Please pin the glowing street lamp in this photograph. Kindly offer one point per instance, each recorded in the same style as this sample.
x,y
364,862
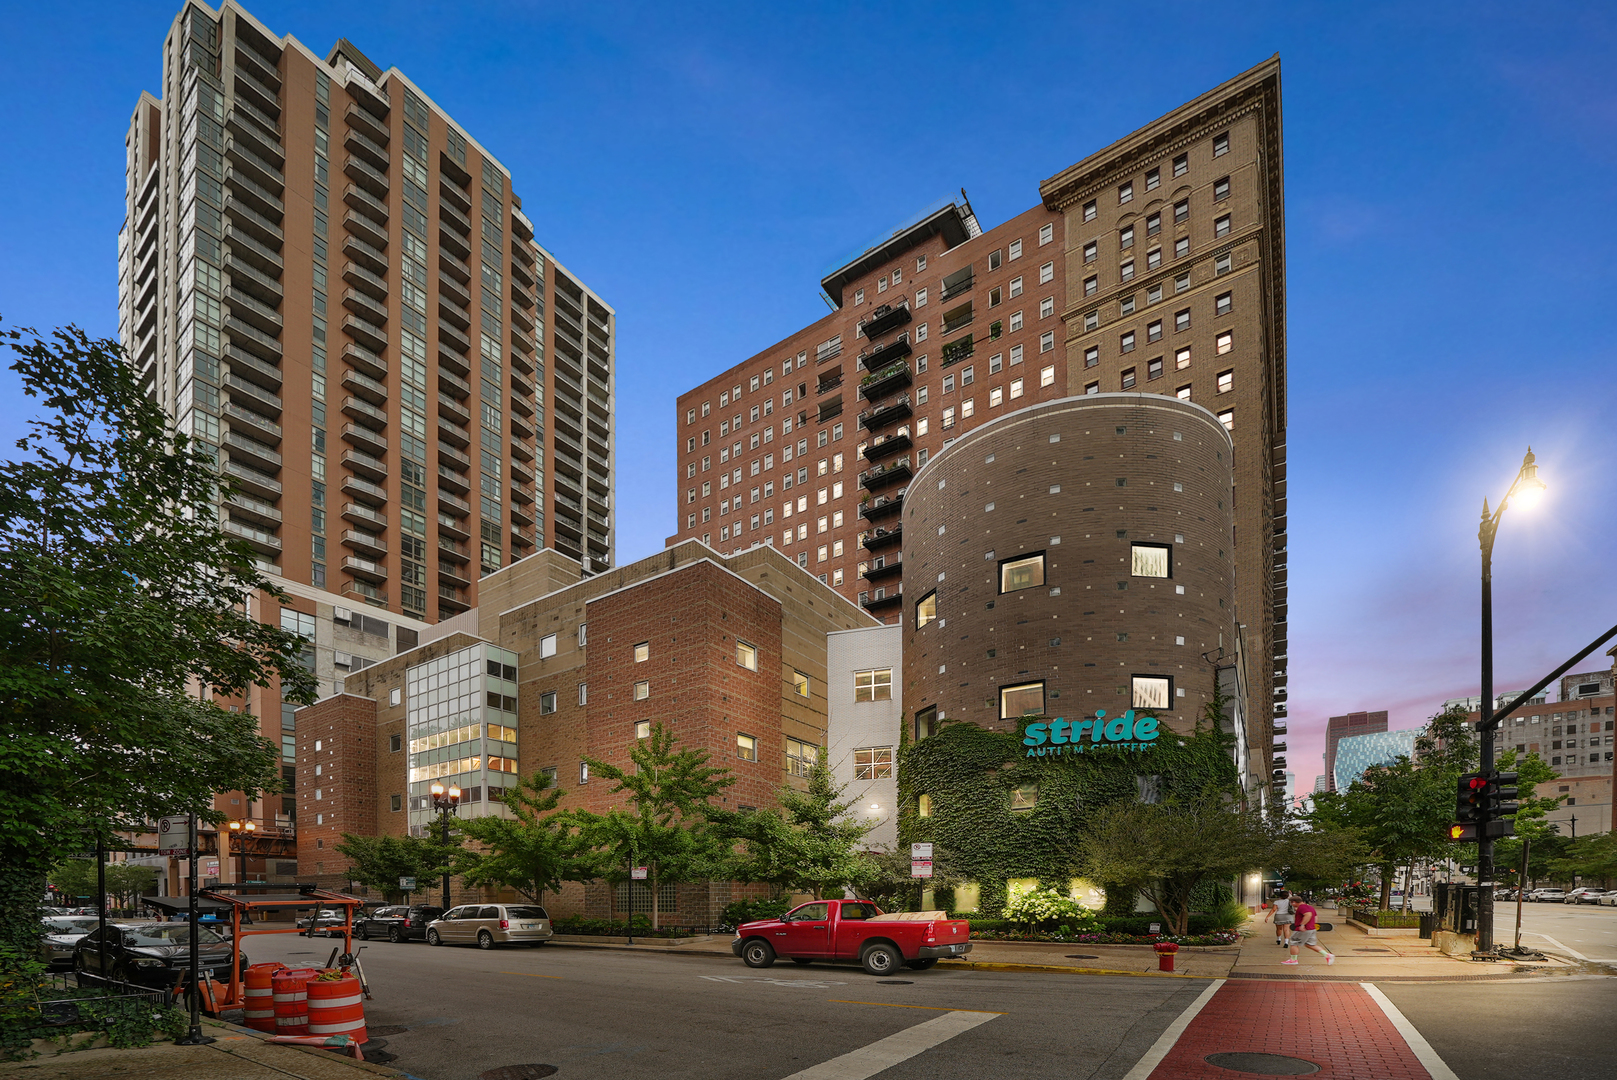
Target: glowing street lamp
x,y
445,801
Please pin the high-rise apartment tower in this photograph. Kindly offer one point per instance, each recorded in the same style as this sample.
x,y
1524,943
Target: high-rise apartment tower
x,y
1156,265
327,279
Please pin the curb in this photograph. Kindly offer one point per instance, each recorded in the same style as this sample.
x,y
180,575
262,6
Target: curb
x,y
319,1052
983,965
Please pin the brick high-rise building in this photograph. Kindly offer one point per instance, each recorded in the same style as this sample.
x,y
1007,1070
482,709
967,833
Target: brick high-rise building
x,y
1155,265
326,278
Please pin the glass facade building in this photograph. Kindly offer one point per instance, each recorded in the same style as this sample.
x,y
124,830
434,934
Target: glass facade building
x,y
461,722
1358,752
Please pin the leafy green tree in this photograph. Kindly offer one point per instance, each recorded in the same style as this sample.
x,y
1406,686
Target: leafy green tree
x,y
665,828
892,887
810,844
377,862
533,852
1591,858
1531,825
122,616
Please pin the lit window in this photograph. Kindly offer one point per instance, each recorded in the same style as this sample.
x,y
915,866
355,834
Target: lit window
x,y
800,684
926,609
923,805
1024,699
1047,375
547,646
1225,342
1151,560
642,690
873,763
642,729
746,747
642,652
873,685
1151,691
800,756
1024,796
1021,573
746,656
1226,381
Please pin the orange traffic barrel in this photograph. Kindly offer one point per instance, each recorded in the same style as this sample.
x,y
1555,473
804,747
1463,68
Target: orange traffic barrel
x,y
291,1000
260,996
337,1007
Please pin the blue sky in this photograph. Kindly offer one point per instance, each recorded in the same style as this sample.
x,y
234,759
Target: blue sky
x,y
1448,178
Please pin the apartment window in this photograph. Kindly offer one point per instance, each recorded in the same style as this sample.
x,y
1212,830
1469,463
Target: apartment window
x,y
1092,388
927,608
1221,225
1016,389
1221,189
1153,330
1221,144
1153,369
996,397
1047,273
395,802
1153,294
1151,692
968,376
547,646
1091,285
800,756
1226,381
547,703
1125,343
1091,251
1016,287
1183,393
1015,249
1090,210
1151,560
1022,699
583,772
1047,233
873,763
1221,265
948,387
1126,305
875,684
800,684
642,652
1153,258
920,263
747,656
1125,193
642,729
1047,375
1227,418
1153,224
1153,179
1181,321
746,747
1091,320
1181,247
1126,271
1181,282
1181,164
1125,237
994,259
994,297
1222,304
1092,356
1225,342
920,298
1022,572
948,417
1181,211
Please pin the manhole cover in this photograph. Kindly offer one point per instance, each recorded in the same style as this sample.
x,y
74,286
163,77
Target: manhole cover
x,y
386,1029
894,982
1261,1064
1082,956
518,1072
375,1053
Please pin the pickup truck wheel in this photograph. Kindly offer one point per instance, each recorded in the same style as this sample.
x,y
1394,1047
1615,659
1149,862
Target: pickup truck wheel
x,y
393,935
757,953
921,965
432,938
881,959
805,961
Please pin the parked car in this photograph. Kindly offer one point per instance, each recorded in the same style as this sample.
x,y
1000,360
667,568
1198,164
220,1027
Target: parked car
x,y
399,923
1608,899
1585,896
1548,896
327,922
152,954
853,930
62,933
488,925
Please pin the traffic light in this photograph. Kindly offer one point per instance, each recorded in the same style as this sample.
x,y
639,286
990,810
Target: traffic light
x,y
1483,804
1463,834
1499,797
1469,798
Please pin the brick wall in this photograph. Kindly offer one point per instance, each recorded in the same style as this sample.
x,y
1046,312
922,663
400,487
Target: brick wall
x,y
336,783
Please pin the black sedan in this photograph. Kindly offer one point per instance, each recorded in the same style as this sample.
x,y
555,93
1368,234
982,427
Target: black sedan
x,y
153,954
400,923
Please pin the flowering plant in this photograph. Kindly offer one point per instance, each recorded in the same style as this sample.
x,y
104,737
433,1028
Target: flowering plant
x,y
1047,907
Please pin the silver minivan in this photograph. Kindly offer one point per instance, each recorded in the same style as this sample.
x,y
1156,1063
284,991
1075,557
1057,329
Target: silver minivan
x,y
488,925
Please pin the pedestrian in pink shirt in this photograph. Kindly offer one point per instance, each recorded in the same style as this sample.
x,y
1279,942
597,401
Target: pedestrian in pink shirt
x,y
1305,932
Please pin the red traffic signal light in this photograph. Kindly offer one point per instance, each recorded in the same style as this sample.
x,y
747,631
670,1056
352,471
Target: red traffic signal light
x,y
1470,797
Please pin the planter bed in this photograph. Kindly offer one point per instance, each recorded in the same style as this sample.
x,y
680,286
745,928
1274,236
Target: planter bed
x,y
1110,944
1218,938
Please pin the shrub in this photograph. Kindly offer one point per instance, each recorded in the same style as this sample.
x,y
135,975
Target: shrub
x,y
1120,900
1229,915
746,911
1047,907
1140,925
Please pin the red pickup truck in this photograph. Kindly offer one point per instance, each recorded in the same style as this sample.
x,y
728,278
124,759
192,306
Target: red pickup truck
x,y
853,930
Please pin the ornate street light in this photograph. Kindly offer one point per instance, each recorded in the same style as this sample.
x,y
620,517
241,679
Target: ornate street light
x,y
446,802
239,832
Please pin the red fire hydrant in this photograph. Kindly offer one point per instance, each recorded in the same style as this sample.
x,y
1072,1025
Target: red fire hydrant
x,y
1165,951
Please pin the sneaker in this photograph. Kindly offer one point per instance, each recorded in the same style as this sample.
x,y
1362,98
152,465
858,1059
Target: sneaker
x,y
1292,960
1330,958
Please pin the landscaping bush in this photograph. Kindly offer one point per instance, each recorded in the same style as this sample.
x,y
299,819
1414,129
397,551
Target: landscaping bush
x,y
1120,900
1140,925
1230,915
1046,908
577,924
126,1022
746,911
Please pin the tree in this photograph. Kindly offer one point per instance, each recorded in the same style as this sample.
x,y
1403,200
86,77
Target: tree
x,y
377,862
895,889
810,844
1164,850
122,618
125,882
666,830
1588,857
1531,825
533,852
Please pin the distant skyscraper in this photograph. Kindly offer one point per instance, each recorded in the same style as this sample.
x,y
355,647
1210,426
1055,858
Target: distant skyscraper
x,y
1320,785
1341,727
326,279
1357,753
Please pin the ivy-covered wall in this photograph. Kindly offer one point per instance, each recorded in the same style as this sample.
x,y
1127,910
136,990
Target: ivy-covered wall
x,y
970,775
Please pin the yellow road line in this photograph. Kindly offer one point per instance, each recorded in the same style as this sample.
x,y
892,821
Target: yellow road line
x,y
530,975
929,1008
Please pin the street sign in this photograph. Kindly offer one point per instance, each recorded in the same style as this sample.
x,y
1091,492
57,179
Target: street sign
x,y
173,834
407,884
637,873
210,868
920,869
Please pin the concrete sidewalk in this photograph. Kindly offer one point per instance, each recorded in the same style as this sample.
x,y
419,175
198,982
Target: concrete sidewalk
x,y
238,1054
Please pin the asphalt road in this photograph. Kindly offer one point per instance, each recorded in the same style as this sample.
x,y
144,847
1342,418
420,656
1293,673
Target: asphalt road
x,y
612,1015
1581,929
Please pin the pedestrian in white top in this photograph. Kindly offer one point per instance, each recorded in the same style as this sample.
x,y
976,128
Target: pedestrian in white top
x,y
1280,910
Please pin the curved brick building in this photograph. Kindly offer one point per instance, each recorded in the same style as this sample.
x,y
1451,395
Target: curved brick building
x,y
1072,556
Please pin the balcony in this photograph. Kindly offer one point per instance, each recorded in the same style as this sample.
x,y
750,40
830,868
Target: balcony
x,y
364,464
454,219
251,423
885,318
251,480
887,445
250,280
450,383
454,289
520,515
364,121
880,356
451,601
365,306
240,504
362,279
460,341
451,312
366,360
451,193
453,458
360,514
251,451
520,428
362,144
884,598
364,568
252,339
956,351
266,98
882,507
882,539
364,438
454,267
364,543
455,575
897,409
958,319
453,409
453,240
957,283
254,311
249,190
364,412
366,176
357,198
457,506
454,481
898,469
251,221
448,548
881,383
244,245
368,334
260,398
259,170
359,488
366,229
262,540
451,432
884,568
373,258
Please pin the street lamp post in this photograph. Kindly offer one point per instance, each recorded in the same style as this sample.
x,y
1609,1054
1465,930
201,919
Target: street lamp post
x,y
445,802
239,832
1525,490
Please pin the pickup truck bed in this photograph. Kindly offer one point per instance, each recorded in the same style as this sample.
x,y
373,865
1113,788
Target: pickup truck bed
x,y
853,931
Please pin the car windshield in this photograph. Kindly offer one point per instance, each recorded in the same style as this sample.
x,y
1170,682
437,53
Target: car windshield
x,y
160,934
71,926
525,913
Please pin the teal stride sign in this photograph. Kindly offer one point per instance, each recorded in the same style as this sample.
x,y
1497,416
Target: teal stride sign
x,y
1061,736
